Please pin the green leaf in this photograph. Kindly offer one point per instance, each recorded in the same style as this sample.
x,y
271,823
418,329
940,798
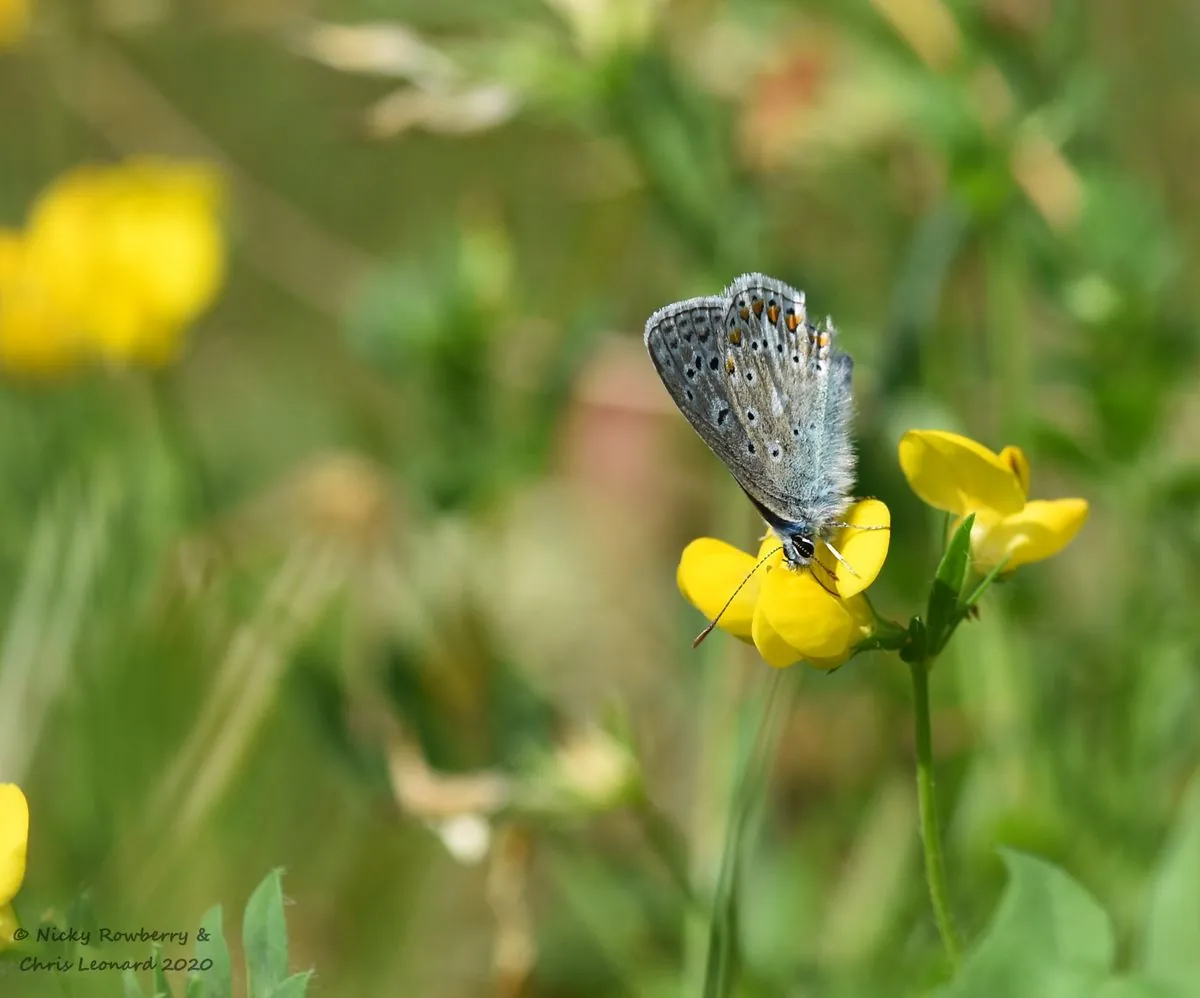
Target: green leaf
x,y
264,936
294,987
1048,938
1170,948
162,987
948,585
984,583
132,988
218,979
196,988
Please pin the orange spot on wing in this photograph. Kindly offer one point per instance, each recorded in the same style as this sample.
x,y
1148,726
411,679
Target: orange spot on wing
x,y
744,313
735,337
793,322
757,305
729,365
773,314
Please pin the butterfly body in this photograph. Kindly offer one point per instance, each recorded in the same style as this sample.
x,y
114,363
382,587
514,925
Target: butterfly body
x,y
769,393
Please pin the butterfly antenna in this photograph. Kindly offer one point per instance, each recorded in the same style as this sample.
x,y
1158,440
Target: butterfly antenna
x,y
842,524
713,623
816,564
838,555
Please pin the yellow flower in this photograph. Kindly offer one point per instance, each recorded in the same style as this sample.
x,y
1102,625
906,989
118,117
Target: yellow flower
x,y
37,336
133,251
14,838
960,476
789,615
14,21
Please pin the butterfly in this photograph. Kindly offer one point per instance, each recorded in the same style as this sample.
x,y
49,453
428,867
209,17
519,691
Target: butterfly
x,y
770,395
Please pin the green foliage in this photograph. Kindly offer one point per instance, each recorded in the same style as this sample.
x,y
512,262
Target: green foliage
x,y
216,981
1168,953
1050,937
264,943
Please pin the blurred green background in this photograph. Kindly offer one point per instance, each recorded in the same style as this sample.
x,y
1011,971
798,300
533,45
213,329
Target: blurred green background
x,y
375,582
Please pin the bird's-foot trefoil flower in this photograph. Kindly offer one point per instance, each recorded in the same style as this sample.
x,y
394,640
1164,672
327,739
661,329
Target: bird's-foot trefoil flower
x,y
818,614
955,474
14,839
114,264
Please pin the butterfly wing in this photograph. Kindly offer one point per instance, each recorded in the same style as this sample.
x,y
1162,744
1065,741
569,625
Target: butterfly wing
x,y
790,390
686,343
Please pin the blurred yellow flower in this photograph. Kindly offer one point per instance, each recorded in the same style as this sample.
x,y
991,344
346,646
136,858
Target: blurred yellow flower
x,y
958,475
36,335
14,838
789,615
134,253
114,263
14,21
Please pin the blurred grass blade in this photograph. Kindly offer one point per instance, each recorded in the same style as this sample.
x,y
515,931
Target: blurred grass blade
x,y
758,736
67,548
918,293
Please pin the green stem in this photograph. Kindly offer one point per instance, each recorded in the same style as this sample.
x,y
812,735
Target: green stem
x,y
178,434
667,842
935,867
724,964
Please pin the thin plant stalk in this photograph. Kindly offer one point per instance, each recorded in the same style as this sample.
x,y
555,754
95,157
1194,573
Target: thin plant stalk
x,y
931,837
668,845
723,964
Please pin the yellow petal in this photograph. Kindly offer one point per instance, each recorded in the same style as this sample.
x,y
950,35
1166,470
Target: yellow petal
x,y
863,549
955,473
709,573
1040,530
1015,458
14,837
863,626
804,615
770,546
770,644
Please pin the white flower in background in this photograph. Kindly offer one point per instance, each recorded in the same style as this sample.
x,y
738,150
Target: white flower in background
x,y
601,27
441,96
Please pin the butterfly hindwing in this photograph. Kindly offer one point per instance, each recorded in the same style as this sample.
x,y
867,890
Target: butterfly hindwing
x,y
791,391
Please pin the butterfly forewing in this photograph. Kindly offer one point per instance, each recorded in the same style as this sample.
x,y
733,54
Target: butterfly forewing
x,y
791,389
685,342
